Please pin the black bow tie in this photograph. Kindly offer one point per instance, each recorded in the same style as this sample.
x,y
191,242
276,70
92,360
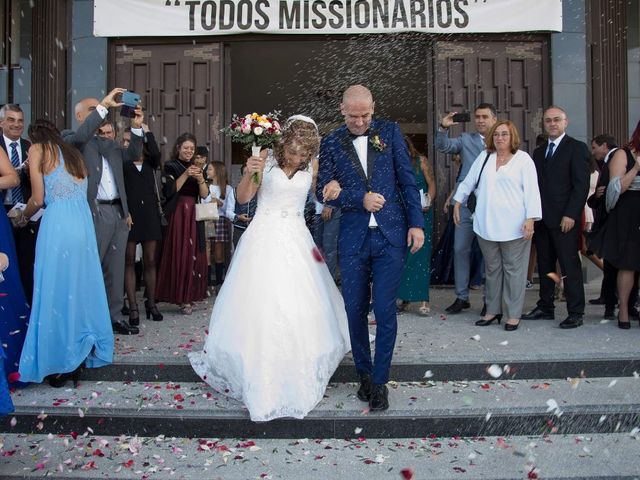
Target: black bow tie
x,y
353,136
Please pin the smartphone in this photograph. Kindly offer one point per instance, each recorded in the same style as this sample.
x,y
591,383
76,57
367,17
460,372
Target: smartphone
x,y
131,101
462,117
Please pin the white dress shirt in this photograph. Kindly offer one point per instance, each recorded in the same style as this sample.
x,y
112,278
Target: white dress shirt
x,y
506,198
361,144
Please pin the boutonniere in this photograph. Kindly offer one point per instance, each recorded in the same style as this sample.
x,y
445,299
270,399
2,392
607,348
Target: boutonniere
x,y
377,142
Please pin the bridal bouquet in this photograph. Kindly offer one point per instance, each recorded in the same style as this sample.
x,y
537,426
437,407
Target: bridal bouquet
x,y
255,131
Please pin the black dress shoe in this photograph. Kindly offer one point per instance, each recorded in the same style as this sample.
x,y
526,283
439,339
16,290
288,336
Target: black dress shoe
x,y
366,386
458,306
538,314
572,321
122,328
483,323
609,313
379,398
597,301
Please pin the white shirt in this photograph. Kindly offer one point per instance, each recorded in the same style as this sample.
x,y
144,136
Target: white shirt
x,y
506,198
229,204
555,142
361,146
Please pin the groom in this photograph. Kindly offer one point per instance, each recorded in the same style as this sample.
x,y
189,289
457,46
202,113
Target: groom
x,y
365,170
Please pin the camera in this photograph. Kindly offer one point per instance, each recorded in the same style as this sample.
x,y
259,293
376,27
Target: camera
x,y
131,101
462,117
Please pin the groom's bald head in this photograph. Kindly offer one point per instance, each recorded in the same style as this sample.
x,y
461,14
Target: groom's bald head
x,y
357,108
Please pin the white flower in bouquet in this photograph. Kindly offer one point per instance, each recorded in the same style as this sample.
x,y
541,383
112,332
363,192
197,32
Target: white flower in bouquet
x,y
254,131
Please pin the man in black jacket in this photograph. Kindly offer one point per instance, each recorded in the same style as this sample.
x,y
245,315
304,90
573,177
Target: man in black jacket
x,y
17,148
563,178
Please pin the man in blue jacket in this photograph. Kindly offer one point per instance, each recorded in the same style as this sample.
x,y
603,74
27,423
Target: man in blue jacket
x,y
468,146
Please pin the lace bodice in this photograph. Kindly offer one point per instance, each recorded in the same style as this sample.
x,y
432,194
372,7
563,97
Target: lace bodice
x,y
280,195
60,185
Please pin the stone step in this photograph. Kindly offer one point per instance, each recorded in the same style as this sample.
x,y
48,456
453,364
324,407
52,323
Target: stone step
x,y
179,370
89,456
418,409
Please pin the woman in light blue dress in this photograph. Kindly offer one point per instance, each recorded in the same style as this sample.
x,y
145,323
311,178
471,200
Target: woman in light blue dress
x,y
69,325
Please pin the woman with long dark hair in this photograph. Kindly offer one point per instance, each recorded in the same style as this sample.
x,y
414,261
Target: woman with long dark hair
x,y
142,198
70,324
182,278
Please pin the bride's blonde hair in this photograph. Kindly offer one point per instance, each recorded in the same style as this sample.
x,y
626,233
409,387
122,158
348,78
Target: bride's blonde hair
x,y
303,134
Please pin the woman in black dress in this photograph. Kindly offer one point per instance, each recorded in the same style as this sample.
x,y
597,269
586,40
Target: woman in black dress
x,y
620,235
140,184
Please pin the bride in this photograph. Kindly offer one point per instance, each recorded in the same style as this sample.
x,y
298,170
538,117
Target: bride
x,y
278,328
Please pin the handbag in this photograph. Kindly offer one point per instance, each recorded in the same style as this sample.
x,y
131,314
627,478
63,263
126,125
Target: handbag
x,y
163,218
472,200
206,211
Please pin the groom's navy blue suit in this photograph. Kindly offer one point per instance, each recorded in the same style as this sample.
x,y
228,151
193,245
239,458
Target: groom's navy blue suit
x,y
371,258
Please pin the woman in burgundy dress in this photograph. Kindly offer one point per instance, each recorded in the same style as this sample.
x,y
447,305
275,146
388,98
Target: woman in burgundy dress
x,y
182,278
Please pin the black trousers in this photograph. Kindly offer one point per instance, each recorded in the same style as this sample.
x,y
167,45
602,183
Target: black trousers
x,y
554,246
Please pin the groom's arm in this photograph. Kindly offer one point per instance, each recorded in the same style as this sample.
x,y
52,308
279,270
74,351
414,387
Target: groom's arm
x,y
351,196
406,179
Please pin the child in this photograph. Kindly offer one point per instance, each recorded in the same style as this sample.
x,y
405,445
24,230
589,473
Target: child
x,y
221,193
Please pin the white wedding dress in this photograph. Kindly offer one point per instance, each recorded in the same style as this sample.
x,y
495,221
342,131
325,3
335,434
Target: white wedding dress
x,y
278,328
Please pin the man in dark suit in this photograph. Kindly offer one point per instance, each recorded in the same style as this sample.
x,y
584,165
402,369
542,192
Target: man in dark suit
x,y
563,178
365,170
106,192
17,148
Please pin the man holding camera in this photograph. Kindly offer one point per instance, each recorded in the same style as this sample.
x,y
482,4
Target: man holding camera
x,y
468,146
106,192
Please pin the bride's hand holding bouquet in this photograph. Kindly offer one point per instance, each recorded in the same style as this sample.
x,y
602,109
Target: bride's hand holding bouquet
x,y
255,131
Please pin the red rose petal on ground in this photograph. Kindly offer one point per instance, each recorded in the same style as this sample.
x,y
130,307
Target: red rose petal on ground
x,y
317,255
128,464
14,377
407,473
532,473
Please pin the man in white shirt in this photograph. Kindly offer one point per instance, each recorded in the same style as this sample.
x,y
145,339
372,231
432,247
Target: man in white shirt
x,y
106,193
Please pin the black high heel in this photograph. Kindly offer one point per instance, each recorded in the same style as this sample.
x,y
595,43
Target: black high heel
x,y
152,312
484,323
57,380
510,327
75,375
624,325
134,316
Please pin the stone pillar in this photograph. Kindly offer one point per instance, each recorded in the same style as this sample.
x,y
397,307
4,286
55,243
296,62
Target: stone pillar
x,y
89,58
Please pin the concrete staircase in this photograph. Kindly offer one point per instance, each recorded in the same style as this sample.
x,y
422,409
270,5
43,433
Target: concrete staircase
x,y
466,402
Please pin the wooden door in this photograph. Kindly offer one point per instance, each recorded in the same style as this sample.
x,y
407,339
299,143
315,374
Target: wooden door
x,y
180,86
512,75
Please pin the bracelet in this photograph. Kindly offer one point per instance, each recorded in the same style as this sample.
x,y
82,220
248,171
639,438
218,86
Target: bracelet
x,y
200,183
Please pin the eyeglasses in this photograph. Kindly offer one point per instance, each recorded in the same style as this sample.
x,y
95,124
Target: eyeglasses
x,y
501,134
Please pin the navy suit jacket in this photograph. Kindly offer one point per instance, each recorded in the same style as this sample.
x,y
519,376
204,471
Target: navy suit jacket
x,y
563,180
25,182
389,174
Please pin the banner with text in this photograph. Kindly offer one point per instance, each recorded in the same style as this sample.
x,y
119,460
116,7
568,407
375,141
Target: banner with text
x,y
142,18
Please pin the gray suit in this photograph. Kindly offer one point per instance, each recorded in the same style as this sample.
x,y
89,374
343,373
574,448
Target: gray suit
x,y
468,146
109,220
